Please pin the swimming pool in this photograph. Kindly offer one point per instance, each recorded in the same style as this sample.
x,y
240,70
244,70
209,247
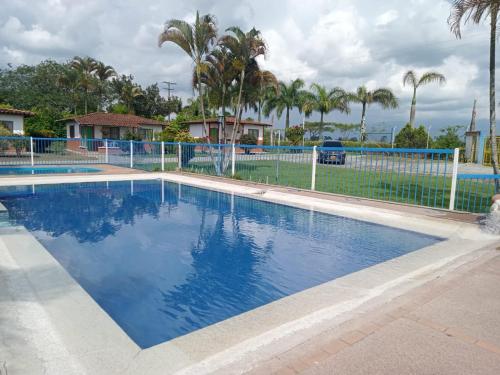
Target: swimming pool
x,y
46,170
163,262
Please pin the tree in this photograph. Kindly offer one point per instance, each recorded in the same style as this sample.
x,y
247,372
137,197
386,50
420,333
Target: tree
x,y
475,11
382,96
449,138
410,137
346,129
129,93
410,78
313,128
245,48
85,66
287,97
266,86
324,101
195,40
103,73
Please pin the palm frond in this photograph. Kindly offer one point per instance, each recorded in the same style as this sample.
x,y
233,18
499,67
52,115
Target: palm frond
x,y
429,77
410,78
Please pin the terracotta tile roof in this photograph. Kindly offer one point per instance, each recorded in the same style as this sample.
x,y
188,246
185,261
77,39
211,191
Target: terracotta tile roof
x,y
229,121
114,119
12,111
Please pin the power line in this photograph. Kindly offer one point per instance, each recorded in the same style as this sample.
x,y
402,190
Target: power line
x,y
169,91
169,87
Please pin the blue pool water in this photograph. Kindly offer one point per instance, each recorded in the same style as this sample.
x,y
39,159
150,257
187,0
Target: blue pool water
x,y
163,263
46,170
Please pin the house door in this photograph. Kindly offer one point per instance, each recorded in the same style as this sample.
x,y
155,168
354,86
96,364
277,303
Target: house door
x,y
87,134
214,135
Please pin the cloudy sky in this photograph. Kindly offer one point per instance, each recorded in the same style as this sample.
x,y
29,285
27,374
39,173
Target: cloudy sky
x,y
343,43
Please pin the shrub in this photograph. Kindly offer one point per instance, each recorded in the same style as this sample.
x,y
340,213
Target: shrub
x,y
4,143
187,150
449,138
41,133
57,147
410,137
248,139
20,144
295,134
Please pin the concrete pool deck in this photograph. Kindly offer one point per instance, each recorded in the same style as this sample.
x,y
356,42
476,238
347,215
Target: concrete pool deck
x,y
49,324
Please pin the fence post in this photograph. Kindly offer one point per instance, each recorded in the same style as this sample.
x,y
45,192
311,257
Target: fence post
x,y
31,152
106,153
162,157
313,174
131,154
233,160
454,179
179,158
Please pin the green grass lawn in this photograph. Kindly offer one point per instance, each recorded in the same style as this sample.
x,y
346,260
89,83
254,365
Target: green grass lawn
x,y
431,191
425,190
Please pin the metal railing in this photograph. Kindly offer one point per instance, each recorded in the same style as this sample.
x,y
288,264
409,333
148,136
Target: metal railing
x,y
415,176
474,192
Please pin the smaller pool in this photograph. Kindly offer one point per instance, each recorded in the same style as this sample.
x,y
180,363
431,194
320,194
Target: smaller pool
x,y
46,170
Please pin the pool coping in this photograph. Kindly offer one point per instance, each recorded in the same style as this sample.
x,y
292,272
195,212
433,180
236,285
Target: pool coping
x,y
93,342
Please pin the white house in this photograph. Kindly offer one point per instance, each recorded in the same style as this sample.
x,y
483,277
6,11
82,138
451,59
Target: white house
x,y
255,128
13,119
101,125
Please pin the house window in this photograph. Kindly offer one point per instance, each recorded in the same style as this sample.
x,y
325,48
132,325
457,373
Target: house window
x,y
110,132
72,131
146,134
9,125
254,133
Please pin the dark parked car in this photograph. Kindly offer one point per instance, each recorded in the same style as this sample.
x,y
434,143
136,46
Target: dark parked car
x,y
336,156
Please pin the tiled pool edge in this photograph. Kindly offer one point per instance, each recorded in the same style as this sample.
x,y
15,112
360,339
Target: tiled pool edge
x,y
231,339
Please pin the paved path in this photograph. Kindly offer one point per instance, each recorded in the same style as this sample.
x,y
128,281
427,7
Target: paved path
x,y
448,326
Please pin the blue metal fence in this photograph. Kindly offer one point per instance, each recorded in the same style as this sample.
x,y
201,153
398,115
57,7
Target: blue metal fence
x,y
474,192
413,176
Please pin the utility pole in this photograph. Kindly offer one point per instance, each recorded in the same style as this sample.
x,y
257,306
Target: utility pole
x,y
169,91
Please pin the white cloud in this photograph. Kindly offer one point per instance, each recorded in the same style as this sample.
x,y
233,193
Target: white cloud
x,y
386,18
334,42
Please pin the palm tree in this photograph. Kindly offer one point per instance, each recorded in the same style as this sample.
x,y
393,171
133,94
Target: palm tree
x,y
194,39
85,66
217,75
475,11
103,73
322,100
128,94
288,97
245,48
410,78
265,86
382,96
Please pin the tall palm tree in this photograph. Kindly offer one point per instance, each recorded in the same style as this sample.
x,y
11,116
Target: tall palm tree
x,y
411,78
103,73
383,96
322,100
288,97
128,94
245,48
265,86
85,66
196,40
475,10
217,75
